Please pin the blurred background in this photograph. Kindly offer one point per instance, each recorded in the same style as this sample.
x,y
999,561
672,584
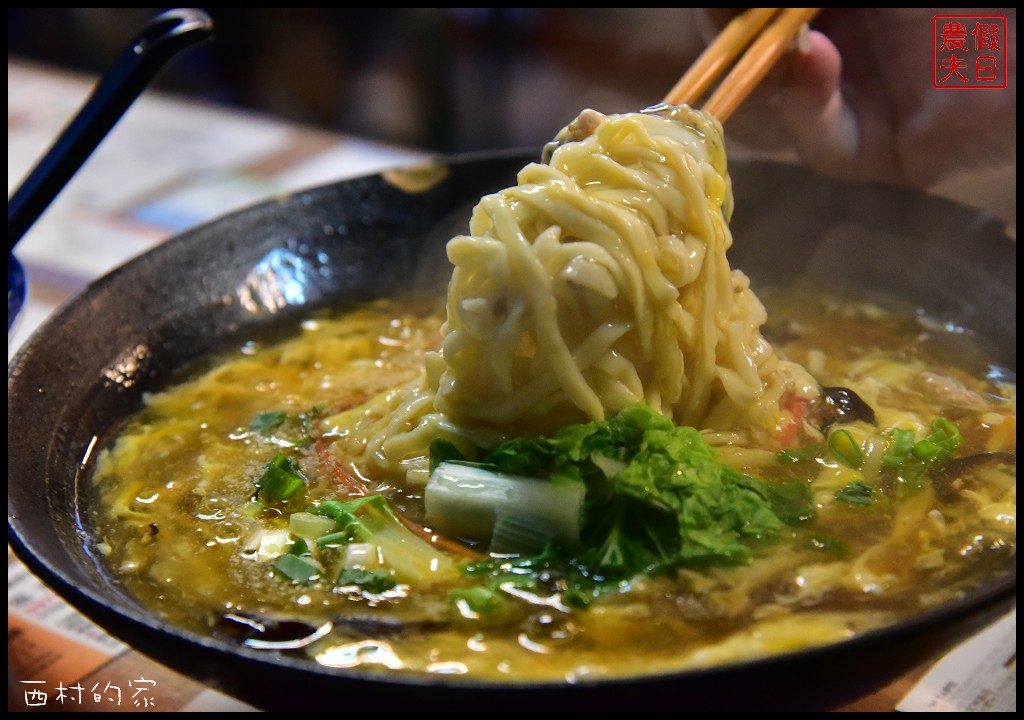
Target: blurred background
x,y
438,79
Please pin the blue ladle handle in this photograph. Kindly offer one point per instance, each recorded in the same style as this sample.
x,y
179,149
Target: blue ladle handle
x,y
164,37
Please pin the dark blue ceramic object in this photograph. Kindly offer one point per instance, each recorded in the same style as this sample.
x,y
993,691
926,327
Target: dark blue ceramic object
x,y
168,34
16,290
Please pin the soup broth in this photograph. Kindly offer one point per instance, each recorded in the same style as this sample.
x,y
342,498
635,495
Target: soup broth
x,y
190,522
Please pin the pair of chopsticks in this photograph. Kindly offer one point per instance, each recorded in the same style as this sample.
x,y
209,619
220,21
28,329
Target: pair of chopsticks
x,y
763,53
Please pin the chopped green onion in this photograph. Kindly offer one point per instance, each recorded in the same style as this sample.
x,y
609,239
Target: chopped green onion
x,y
274,543
369,519
280,480
253,508
308,525
343,512
299,547
900,447
333,539
939,446
845,448
296,568
928,451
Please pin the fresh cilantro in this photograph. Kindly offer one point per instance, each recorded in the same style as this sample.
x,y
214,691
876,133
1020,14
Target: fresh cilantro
x,y
858,493
306,425
791,501
443,451
297,431
476,599
371,581
826,544
266,422
657,498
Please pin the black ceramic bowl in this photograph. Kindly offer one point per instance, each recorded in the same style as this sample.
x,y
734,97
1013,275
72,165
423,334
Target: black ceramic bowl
x,y
87,368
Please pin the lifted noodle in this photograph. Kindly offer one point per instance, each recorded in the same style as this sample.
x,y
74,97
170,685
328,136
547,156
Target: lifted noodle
x,y
599,280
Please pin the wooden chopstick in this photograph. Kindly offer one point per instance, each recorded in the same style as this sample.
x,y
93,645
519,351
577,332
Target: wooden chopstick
x,y
762,54
726,46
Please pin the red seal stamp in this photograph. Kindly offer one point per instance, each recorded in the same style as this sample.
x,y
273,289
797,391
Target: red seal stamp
x,y
969,52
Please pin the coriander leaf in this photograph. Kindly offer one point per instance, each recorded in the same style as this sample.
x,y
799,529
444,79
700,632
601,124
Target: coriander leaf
x,y
791,502
826,544
478,600
797,455
371,581
858,493
266,422
306,422
442,450
657,497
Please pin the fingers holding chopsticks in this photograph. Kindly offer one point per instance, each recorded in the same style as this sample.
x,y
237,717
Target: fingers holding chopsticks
x,y
744,52
854,97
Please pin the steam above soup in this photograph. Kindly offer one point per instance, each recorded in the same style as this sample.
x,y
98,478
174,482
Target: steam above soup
x,y
587,460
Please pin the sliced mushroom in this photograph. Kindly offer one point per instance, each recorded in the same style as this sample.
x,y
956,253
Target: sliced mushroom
x,y
843,405
947,478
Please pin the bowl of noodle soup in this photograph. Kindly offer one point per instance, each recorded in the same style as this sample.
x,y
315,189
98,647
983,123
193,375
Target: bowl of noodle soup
x,y
299,329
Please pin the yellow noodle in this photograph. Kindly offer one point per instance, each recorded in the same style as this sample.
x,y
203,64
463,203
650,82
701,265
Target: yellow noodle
x,y
598,281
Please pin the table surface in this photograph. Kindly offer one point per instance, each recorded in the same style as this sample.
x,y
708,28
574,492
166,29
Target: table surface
x,y
189,163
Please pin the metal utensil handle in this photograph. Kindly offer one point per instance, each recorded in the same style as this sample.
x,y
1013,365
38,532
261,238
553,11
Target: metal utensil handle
x,y
138,64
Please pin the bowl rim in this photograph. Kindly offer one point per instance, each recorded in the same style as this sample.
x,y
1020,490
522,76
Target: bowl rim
x,y
993,599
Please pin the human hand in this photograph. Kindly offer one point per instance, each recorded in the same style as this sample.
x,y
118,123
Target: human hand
x,y
856,100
